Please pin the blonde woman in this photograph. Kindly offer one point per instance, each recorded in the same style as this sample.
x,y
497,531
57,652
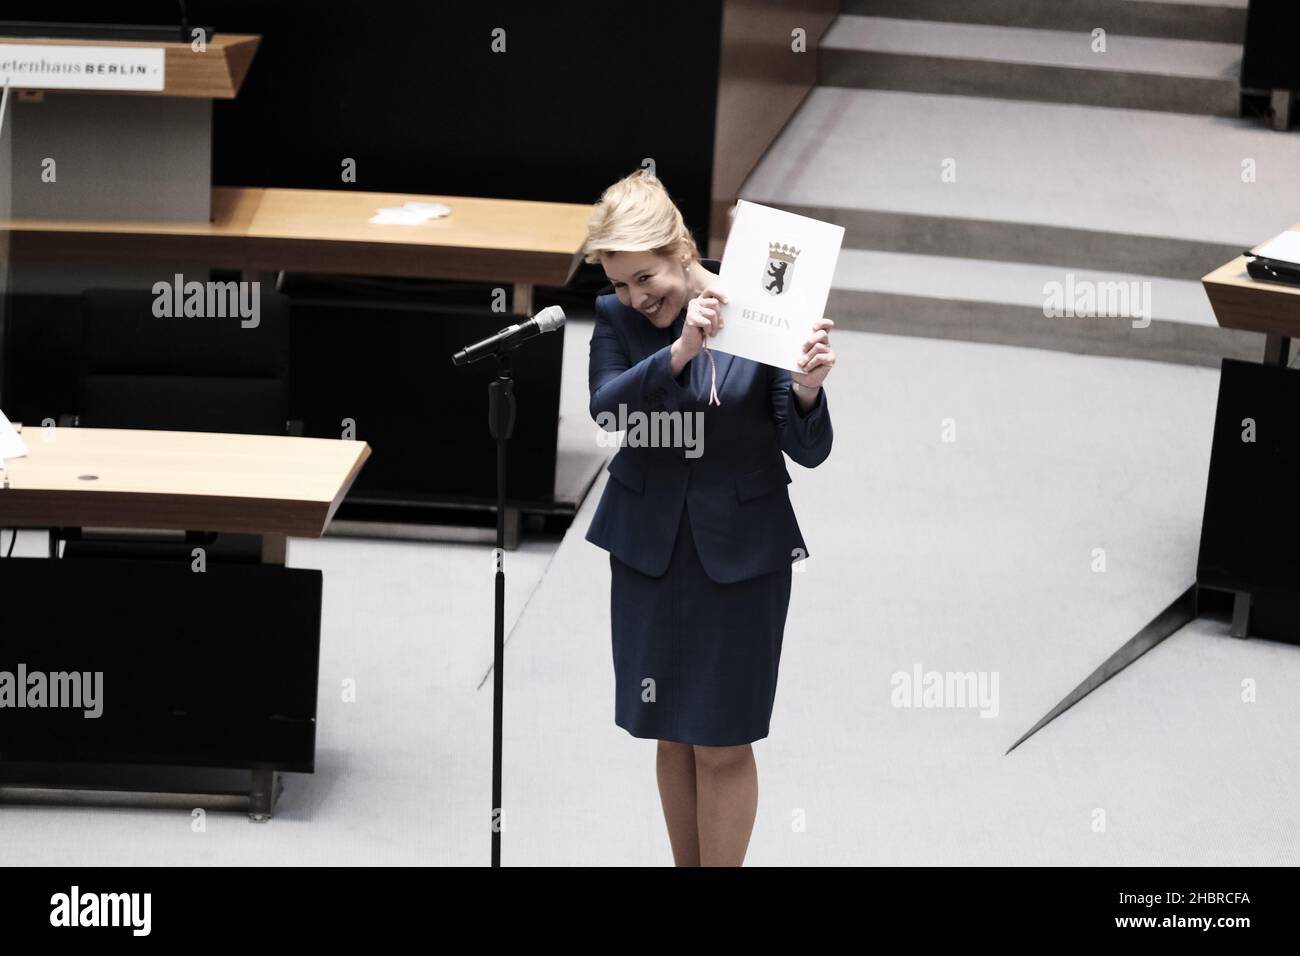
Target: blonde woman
x,y
701,544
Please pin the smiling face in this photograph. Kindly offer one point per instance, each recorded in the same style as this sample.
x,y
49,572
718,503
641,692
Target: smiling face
x,y
653,284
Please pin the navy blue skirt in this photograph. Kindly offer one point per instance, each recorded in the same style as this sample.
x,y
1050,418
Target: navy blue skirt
x,y
695,661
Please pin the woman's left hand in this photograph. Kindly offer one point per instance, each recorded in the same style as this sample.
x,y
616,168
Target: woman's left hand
x,y
817,356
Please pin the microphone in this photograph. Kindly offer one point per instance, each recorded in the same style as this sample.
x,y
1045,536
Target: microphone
x,y
512,336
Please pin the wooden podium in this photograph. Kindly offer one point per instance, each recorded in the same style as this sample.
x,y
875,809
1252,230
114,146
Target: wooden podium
x,y
1243,302
121,155
208,670
1248,536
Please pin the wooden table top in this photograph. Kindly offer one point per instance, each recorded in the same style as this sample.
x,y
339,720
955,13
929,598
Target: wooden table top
x,y
192,481
327,231
1241,302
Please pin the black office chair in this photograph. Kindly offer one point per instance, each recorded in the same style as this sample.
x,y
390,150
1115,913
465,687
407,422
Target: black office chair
x,y
180,373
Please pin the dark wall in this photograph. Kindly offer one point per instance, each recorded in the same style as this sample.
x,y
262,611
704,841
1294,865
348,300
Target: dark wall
x,y
412,91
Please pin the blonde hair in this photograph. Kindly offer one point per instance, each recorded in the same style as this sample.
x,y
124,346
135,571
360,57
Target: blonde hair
x,y
634,215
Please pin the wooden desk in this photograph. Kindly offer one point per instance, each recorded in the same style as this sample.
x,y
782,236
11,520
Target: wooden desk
x,y
253,231
520,242
189,481
212,677
1241,302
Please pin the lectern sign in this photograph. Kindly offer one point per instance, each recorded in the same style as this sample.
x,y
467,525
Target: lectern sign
x,y
56,67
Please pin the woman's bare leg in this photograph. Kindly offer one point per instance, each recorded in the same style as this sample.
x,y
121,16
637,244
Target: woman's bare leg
x,y
675,769
727,797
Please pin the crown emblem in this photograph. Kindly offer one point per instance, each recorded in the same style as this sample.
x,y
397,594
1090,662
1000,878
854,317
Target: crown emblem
x,y
782,253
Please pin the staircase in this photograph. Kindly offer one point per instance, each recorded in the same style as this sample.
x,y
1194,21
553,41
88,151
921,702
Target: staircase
x,y
985,155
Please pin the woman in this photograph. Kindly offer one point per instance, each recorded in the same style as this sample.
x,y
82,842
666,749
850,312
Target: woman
x,y
701,544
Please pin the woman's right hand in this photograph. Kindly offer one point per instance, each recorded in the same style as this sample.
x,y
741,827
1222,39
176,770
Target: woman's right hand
x,y
703,319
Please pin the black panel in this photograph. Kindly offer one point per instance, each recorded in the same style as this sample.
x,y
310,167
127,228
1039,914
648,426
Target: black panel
x,y
43,361
187,373
215,669
1250,533
1272,32
389,370
189,403
124,337
1276,615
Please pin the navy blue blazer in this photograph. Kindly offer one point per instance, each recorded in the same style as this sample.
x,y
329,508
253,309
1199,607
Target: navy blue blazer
x,y
739,507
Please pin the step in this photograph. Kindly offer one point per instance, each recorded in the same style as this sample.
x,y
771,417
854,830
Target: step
x,y
1003,303
1118,190
1220,21
1058,66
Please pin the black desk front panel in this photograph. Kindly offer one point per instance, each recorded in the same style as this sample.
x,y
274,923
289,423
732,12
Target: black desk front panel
x,y
203,669
1250,532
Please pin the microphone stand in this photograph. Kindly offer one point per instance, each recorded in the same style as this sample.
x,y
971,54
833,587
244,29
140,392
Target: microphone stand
x,y
501,423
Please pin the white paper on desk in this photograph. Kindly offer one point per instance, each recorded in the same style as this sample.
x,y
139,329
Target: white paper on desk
x,y
11,444
1285,247
776,273
409,214
397,216
431,209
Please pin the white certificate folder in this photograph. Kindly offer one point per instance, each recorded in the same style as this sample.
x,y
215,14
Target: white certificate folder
x,y
776,273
